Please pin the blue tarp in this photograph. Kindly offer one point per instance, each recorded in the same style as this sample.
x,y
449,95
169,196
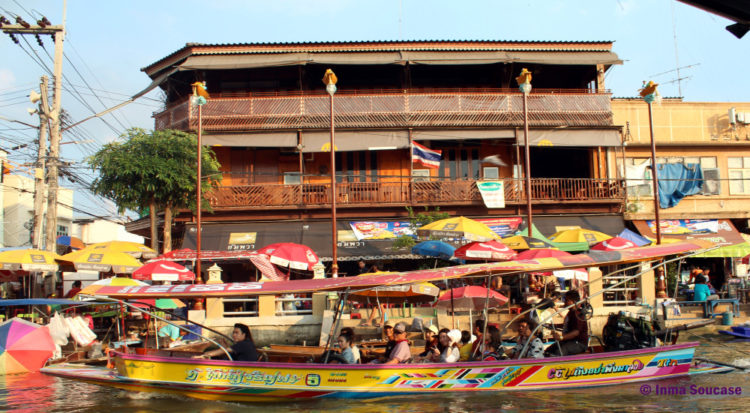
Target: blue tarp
x,y
634,237
676,181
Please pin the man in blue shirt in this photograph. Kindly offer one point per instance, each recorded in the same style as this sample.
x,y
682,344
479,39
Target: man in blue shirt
x,y
701,290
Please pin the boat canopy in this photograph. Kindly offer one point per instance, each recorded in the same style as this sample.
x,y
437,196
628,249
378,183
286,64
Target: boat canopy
x,y
591,259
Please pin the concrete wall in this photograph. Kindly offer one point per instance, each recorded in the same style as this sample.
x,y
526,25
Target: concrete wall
x,y
102,231
18,208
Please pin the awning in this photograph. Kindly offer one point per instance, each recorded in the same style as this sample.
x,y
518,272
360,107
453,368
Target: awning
x,y
347,141
252,140
258,60
608,224
462,134
316,235
572,137
725,234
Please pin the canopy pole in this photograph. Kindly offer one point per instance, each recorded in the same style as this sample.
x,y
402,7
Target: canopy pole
x,y
335,324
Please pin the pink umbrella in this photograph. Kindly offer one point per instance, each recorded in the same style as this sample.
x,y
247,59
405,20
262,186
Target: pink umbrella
x,y
614,244
470,298
541,253
485,250
163,270
291,255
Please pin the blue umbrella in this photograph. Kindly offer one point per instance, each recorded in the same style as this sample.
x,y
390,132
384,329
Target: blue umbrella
x,y
437,249
634,237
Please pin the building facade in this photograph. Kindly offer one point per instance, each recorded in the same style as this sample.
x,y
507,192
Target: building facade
x,y
268,120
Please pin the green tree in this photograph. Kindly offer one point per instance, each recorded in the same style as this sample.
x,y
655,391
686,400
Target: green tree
x,y
153,170
417,220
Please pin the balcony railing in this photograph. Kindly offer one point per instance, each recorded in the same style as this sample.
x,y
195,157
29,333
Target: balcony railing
x,y
435,192
393,109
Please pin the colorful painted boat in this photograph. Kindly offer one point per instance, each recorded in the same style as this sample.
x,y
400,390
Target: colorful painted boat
x,y
257,381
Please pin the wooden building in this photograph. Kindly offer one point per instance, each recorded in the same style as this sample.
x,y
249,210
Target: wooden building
x,y
268,120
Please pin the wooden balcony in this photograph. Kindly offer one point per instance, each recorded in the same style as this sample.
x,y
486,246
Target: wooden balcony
x,y
456,192
392,109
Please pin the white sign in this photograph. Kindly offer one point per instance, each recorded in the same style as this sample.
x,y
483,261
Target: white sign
x,y
493,193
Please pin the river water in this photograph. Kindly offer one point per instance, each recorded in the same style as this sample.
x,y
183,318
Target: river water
x,y
36,392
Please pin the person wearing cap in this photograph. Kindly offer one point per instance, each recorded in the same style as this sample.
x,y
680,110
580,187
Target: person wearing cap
x,y
401,352
430,340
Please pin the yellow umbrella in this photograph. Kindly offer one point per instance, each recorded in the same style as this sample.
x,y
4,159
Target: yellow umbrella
x,y
458,227
102,261
664,240
133,248
28,260
579,235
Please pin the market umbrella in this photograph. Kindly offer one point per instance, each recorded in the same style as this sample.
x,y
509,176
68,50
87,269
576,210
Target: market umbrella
x,y
437,249
541,253
579,235
458,227
418,292
72,242
291,255
24,346
470,298
28,260
163,270
664,240
520,242
102,261
637,239
614,244
132,248
485,250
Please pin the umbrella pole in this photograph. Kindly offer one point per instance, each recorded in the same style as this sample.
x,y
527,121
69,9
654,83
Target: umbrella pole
x,y
453,311
486,316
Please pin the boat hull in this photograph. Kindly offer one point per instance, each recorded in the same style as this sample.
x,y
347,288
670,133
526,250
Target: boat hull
x,y
253,382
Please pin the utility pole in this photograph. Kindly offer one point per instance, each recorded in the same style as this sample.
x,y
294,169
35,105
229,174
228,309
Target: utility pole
x,y
39,170
54,143
43,26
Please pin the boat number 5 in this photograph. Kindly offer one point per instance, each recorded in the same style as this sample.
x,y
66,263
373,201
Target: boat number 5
x,y
312,380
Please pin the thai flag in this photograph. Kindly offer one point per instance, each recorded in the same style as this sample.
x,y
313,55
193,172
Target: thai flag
x,y
427,157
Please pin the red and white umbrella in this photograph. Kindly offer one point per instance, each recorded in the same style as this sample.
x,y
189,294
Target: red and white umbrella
x,y
470,298
291,255
163,270
485,250
614,244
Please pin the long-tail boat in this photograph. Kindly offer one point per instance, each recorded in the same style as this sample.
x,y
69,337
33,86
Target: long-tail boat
x,y
263,381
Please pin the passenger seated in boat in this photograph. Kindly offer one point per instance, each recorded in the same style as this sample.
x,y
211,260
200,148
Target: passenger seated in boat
x,y
536,347
493,346
243,348
451,341
401,352
435,351
390,342
352,340
346,356
478,332
575,334
430,340
466,344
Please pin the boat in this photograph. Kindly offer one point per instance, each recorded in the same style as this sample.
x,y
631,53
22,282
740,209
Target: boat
x,y
738,332
229,380
267,382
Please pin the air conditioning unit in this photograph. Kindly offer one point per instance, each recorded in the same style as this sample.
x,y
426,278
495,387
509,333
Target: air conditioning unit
x,y
711,181
732,116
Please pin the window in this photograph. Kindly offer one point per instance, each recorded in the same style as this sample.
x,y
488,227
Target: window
x,y
491,173
639,175
62,230
739,175
421,175
292,178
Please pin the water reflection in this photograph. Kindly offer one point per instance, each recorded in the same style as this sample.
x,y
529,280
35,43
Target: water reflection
x,y
36,392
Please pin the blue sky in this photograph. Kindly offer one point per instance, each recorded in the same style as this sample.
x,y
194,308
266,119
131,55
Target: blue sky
x,y
109,42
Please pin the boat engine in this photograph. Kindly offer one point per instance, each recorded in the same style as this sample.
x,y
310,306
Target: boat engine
x,y
623,332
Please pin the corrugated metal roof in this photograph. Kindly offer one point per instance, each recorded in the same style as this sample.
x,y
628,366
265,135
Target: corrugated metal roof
x,y
379,46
